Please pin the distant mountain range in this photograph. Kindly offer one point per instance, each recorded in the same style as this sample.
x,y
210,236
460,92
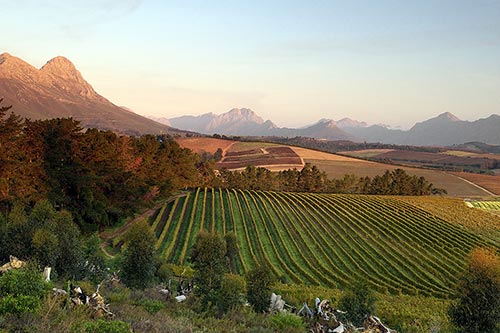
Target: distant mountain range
x,y
443,130
58,90
245,122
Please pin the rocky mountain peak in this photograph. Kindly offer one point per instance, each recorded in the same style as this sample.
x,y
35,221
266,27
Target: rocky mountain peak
x,y
448,116
60,73
59,65
13,67
242,114
348,122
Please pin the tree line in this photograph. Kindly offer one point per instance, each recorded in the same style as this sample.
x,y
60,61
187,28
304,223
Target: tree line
x,y
311,179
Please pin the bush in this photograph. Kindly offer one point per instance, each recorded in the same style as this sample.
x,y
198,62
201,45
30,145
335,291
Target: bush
x,y
19,304
102,326
477,308
22,290
358,302
285,322
152,306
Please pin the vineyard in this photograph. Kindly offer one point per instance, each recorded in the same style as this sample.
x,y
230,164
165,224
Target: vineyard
x,y
322,239
490,206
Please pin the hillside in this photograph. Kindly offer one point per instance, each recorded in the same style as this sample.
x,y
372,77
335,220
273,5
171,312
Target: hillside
x,y
58,90
399,246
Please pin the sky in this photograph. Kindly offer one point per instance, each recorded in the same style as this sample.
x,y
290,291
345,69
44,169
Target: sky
x,y
293,62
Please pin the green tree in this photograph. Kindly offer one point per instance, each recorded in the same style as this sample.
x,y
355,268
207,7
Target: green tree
x,y
231,249
358,301
258,282
477,307
209,260
231,292
138,264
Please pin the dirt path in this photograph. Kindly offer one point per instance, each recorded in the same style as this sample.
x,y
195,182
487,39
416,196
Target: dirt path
x,y
106,237
120,231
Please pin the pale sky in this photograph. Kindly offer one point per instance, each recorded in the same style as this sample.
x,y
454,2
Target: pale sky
x,y
293,62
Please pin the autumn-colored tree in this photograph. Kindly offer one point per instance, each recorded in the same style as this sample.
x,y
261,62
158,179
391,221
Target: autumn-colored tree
x,y
477,307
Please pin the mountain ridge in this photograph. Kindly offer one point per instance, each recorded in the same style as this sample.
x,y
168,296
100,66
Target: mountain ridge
x,y
58,90
445,129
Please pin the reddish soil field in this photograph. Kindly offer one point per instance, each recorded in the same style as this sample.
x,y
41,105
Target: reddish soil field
x,y
244,152
265,156
200,145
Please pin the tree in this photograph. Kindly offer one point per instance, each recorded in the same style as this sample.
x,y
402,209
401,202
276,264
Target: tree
x,y
230,295
358,302
209,259
477,308
258,281
231,249
138,264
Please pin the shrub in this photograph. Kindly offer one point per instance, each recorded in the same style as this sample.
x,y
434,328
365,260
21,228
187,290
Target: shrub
x,y
477,308
152,306
19,304
22,290
358,302
286,322
103,326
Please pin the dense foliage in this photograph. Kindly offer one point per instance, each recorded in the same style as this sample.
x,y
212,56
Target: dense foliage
x,y
311,179
99,176
43,234
22,290
477,309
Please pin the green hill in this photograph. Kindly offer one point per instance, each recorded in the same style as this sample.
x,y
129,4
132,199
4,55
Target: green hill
x,y
327,240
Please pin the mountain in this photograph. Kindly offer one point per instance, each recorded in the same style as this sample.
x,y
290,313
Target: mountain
x,y
245,122
59,90
234,122
443,130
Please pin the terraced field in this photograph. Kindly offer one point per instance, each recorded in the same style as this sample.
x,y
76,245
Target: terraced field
x,y
327,240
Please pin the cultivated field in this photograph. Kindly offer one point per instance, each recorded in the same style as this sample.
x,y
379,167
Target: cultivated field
x,y
257,153
491,183
448,159
329,240
337,166
204,144
272,156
